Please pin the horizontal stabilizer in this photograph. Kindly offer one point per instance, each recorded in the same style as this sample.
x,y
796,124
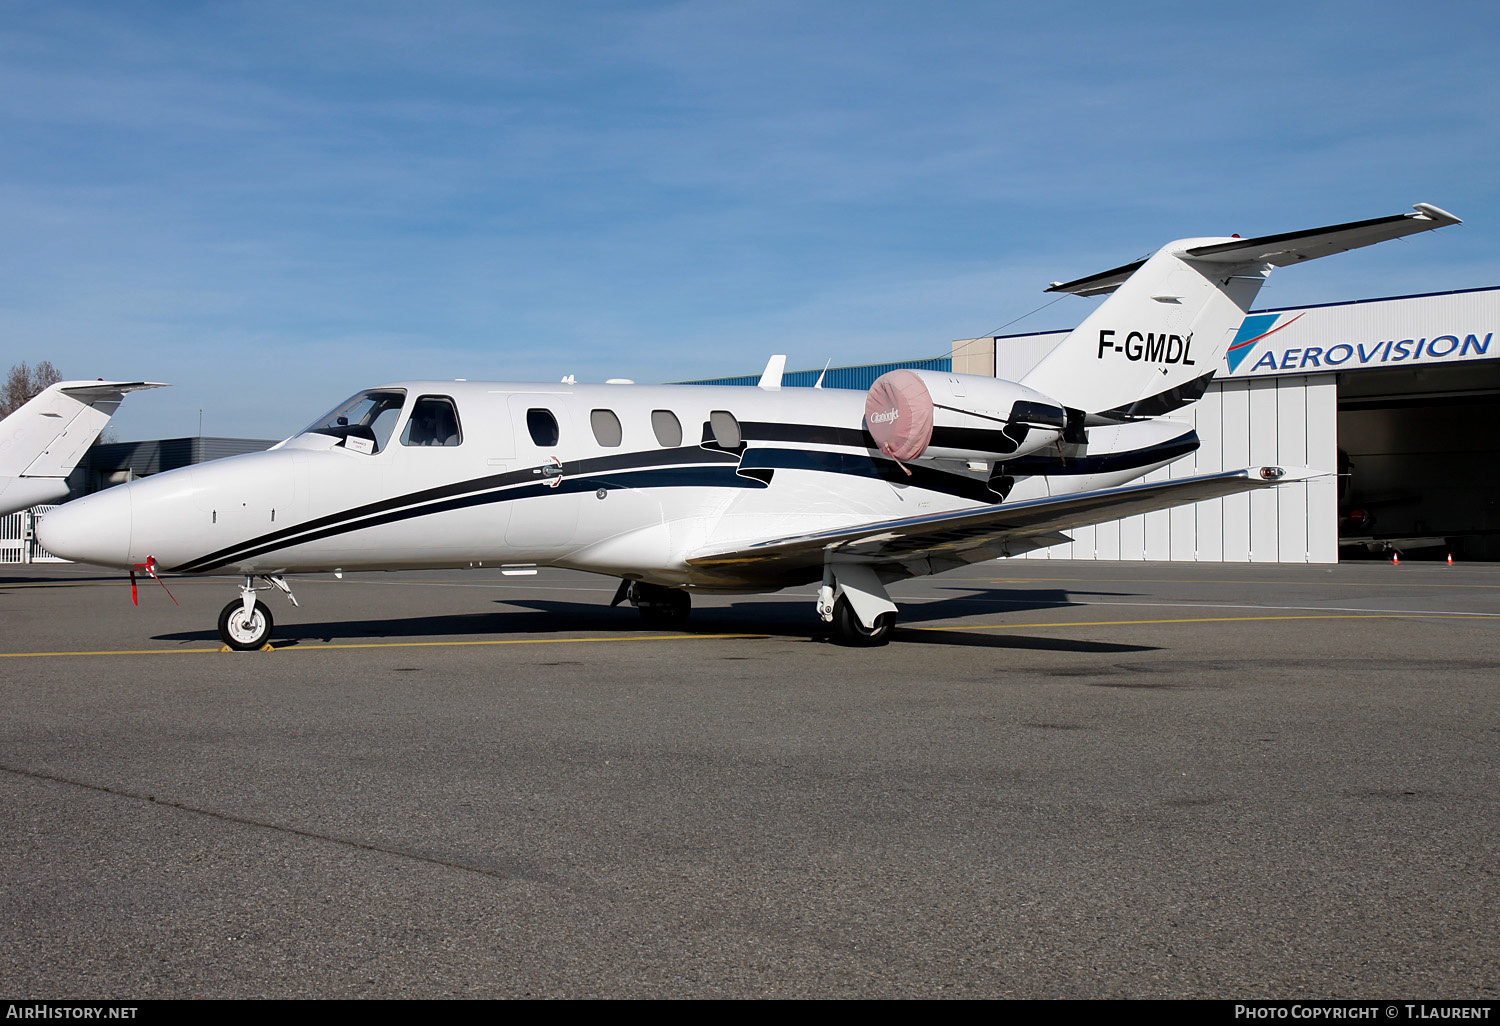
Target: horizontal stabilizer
x,y
1279,250
1098,284
84,390
967,536
1294,247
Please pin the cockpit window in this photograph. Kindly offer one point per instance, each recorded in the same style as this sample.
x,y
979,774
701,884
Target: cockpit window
x,y
368,418
434,421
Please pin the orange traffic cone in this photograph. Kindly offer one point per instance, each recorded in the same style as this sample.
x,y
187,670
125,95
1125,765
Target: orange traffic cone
x,y
1395,558
1450,559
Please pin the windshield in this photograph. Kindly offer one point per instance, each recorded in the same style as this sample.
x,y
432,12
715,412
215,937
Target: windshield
x,y
370,416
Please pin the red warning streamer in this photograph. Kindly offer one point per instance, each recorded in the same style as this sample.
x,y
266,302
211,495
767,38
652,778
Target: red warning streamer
x,y
150,567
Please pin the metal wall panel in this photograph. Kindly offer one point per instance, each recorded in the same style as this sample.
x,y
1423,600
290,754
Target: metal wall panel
x,y
1322,454
1159,524
1107,540
1182,545
1291,451
1086,542
974,356
1235,396
1133,536
1209,547
1264,438
1017,355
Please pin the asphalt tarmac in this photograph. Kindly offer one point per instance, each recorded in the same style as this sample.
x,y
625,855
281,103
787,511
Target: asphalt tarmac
x,y
1059,780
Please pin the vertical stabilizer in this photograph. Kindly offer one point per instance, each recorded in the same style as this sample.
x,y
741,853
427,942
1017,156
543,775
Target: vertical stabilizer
x,y
42,442
1155,343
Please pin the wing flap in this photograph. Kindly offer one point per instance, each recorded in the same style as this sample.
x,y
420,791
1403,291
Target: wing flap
x,y
970,535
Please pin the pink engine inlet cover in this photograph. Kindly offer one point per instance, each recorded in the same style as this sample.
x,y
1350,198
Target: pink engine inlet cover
x,y
898,413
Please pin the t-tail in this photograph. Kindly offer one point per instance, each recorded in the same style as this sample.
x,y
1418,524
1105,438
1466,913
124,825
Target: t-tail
x,y
42,442
1154,345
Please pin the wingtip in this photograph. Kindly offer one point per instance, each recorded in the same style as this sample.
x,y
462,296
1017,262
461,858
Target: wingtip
x,y
1436,213
1285,475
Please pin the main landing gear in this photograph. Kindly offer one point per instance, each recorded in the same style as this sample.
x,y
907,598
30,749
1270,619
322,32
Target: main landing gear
x,y
661,608
246,624
855,602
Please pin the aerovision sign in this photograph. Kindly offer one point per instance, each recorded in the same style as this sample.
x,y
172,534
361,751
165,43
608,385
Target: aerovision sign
x,y
1402,332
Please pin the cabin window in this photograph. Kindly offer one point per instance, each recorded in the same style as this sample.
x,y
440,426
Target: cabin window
x,y
725,428
433,421
543,427
667,427
607,430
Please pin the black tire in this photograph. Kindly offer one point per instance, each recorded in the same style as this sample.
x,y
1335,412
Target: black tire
x,y
244,635
847,630
663,608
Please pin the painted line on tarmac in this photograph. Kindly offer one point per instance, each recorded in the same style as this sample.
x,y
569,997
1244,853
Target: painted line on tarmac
x,y
1220,582
386,644
1205,619
982,600
80,583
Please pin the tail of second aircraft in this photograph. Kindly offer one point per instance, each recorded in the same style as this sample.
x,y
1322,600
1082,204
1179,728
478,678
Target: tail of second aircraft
x,y
1153,346
42,442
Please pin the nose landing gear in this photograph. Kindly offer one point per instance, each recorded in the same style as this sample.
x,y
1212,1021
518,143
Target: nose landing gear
x,y
246,625
242,631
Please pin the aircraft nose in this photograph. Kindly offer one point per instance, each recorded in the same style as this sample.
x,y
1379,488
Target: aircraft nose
x,y
93,529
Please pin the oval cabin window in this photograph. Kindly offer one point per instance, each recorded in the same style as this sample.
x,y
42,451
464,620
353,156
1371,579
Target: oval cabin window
x,y
606,425
667,427
725,428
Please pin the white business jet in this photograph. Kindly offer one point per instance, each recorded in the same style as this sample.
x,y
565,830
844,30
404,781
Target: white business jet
x,y
680,488
42,442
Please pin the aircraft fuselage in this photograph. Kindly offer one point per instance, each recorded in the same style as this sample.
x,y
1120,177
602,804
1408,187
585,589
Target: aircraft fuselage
x,y
626,480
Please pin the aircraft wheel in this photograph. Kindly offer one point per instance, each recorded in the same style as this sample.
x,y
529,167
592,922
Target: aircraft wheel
x,y
242,633
847,630
664,607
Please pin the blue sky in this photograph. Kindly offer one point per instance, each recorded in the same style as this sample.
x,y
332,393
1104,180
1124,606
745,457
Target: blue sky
x,y
272,205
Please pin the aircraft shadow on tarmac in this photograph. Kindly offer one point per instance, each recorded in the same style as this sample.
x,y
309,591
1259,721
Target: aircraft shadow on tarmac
x,y
781,619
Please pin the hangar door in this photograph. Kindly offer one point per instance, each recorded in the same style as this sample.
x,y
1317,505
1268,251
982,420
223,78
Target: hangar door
x,y
1423,460
1286,421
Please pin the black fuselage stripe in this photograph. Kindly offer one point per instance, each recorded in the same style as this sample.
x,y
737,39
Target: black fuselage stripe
x,y
624,461
721,476
862,465
1108,463
688,454
807,434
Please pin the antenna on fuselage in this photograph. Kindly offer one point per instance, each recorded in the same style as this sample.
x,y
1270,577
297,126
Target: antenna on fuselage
x,y
770,378
819,382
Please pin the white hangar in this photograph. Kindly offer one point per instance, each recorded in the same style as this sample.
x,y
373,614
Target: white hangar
x,y
1395,397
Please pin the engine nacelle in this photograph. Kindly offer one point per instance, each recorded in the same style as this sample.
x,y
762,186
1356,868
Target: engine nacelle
x,y
914,414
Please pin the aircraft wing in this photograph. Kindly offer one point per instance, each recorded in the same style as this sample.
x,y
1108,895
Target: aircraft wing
x,y
942,541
